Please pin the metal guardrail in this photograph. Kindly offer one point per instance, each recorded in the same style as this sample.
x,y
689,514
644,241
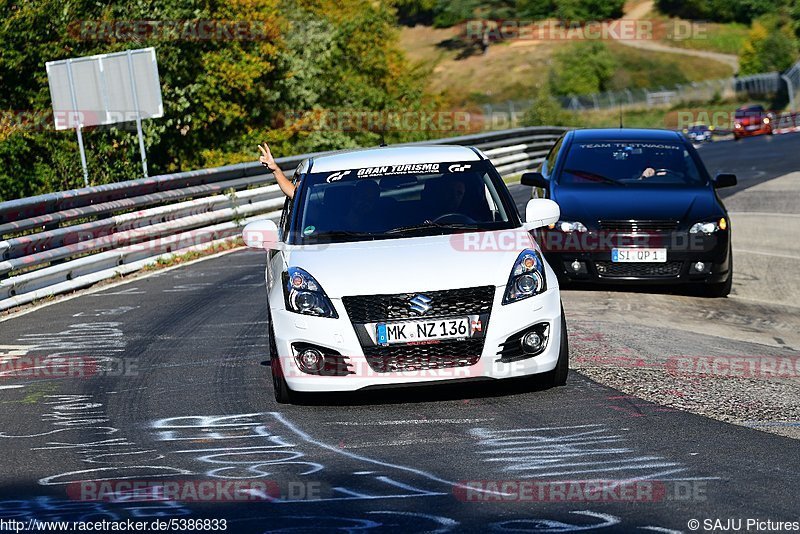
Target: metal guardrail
x,y
59,242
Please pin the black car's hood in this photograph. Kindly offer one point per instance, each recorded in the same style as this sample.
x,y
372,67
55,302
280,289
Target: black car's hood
x,y
592,203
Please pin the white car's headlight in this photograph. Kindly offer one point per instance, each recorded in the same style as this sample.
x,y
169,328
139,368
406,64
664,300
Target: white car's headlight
x,y
304,295
709,228
527,277
569,226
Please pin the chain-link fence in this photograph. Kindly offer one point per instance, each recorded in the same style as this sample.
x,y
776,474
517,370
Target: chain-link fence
x,y
756,86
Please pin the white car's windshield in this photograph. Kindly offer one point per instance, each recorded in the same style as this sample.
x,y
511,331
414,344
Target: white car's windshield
x,y
401,200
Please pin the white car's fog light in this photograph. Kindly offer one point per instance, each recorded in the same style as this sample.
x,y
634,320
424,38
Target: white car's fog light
x,y
532,342
311,360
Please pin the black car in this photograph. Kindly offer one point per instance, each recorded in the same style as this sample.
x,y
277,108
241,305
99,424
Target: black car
x,y
699,133
636,206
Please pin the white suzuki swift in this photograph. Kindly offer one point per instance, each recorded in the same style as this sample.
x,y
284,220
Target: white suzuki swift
x,y
407,265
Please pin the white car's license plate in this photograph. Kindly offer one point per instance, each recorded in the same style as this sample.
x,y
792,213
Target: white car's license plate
x,y
416,331
636,255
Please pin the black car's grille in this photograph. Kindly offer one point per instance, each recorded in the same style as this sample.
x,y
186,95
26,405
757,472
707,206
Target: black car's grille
x,y
450,303
639,270
638,227
397,358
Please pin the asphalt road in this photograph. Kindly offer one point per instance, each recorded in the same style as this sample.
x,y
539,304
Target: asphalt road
x,y
176,390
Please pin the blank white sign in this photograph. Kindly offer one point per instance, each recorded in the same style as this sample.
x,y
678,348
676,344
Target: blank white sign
x,y
102,89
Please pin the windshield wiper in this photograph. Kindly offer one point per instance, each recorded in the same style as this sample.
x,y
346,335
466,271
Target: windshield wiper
x,y
337,234
430,225
593,176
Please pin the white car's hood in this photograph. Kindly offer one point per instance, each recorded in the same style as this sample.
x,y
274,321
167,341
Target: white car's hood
x,y
409,265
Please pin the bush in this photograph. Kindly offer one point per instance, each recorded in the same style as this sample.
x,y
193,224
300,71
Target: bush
x,y
582,68
545,110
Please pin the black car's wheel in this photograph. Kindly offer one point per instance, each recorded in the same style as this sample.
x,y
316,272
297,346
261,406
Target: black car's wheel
x,y
283,395
722,289
558,376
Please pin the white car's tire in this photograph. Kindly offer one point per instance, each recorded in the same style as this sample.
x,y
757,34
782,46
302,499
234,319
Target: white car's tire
x,y
283,394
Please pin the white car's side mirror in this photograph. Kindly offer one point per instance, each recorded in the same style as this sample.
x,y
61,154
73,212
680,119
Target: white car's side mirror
x,y
541,212
262,234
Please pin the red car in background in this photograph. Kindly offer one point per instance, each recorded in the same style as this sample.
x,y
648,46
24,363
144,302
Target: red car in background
x,y
752,120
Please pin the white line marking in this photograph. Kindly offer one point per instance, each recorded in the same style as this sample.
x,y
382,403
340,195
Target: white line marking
x,y
407,422
399,443
11,387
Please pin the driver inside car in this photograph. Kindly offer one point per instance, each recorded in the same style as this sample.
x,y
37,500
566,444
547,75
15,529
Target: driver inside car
x,y
363,209
660,164
443,196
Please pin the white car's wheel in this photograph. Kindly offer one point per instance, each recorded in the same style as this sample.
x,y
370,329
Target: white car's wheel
x,y
283,394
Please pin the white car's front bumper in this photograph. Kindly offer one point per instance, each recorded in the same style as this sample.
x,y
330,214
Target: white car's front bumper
x,y
339,335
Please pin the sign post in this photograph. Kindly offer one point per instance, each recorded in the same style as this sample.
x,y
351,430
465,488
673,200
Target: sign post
x,y
105,89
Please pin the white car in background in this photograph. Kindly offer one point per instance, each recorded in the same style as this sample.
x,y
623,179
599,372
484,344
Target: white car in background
x,y
406,265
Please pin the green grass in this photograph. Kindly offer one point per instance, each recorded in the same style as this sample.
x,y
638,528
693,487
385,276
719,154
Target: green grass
x,y
647,69
724,38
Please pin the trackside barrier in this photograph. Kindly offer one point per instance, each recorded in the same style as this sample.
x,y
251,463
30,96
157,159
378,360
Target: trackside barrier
x,y
59,242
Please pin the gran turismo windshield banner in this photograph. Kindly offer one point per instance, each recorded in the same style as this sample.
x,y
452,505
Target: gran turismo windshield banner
x,y
399,170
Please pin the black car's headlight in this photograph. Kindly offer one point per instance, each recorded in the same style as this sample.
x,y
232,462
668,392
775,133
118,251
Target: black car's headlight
x,y
527,277
569,226
304,295
709,228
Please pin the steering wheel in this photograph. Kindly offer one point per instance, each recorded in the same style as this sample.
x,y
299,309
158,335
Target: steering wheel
x,y
458,218
656,172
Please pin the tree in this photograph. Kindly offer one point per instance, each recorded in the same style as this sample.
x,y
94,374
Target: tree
x,y
222,94
770,46
721,10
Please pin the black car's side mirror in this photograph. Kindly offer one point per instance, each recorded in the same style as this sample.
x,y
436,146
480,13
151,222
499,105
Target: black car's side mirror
x,y
724,180
533,179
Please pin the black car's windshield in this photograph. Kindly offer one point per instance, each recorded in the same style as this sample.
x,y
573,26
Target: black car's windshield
x,y
401,200
630,163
